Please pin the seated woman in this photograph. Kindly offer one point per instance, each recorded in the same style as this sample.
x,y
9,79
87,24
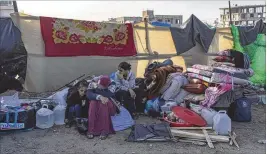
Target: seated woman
x,y
125,87
77,104
101,108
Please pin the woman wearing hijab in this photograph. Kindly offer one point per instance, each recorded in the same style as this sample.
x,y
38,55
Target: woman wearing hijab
x,y
101,108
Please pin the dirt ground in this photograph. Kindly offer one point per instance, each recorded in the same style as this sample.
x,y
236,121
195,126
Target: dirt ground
x,y
59,140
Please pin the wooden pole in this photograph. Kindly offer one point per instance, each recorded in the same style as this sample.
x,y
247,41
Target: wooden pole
x,y
146,33
15,6
230,12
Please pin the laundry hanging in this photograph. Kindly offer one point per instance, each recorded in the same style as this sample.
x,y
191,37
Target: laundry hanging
x,y
67,37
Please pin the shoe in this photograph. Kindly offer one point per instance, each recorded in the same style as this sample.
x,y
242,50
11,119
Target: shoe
x,y
68,125
103,137
89,136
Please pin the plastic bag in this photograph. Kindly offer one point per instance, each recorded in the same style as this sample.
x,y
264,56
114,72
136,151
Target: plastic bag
x,y
10,101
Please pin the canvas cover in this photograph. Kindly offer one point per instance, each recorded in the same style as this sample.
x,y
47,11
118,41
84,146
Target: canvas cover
x,y
248,34
9,35
192,31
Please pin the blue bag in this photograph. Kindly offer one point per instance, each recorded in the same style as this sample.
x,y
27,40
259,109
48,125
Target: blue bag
x,y
241,110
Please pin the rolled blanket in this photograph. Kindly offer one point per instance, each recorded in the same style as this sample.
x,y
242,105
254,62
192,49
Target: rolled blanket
x,y
203,67
218,64
201,77
247,72
226,78
200,72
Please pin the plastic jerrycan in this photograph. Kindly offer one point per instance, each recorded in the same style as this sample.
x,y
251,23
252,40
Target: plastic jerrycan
x,y
44,117
222,123
59,114
208,114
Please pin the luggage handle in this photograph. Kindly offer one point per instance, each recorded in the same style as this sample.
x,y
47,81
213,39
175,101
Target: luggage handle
x,y
222,111
45,106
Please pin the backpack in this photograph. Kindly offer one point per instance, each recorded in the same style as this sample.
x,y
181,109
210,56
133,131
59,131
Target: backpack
x,y
240,110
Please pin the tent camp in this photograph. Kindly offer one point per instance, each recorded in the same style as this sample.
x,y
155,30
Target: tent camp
x,y
48,73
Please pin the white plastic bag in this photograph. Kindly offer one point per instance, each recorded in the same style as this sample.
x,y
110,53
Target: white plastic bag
x,y
10,100
60,97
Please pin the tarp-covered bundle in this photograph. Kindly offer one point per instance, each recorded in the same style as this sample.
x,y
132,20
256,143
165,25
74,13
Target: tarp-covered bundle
x,y
256,50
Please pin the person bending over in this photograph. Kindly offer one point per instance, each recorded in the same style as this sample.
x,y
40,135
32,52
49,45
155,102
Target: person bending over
x,y
77,104
101,108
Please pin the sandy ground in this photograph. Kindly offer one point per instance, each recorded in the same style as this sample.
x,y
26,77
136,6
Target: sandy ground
x,y
59,140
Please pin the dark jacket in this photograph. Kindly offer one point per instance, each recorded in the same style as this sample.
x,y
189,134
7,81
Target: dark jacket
x,y
74,98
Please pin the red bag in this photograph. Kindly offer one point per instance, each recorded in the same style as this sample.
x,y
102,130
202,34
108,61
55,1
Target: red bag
x,y
195,88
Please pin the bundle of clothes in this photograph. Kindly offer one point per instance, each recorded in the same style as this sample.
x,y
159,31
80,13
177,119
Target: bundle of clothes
x,y
216,86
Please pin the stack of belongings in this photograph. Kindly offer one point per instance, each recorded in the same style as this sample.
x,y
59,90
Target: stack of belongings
x,y
164,87
226,79
16,115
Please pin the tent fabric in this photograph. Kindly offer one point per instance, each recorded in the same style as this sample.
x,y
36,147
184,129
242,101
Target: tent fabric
x,y
68,37
192,31
49,73
153,132
248,34
9,35
161,24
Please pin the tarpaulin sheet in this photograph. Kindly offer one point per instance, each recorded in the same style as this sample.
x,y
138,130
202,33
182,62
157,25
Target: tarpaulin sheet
x,y
248,34
9,35
67,37
152,132
192,31
161,24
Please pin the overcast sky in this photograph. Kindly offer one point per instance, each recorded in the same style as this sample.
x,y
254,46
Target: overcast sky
x,y
102,10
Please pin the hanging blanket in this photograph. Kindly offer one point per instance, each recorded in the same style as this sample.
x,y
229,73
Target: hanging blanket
x,y
200,72
201,77
66,37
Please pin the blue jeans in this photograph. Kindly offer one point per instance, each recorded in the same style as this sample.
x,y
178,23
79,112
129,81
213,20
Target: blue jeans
x,y
74,111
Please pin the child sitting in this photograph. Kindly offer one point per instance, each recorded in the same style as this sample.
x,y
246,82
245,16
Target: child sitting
x,y
77,103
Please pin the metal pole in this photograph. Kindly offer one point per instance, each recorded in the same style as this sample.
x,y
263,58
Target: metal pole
x,y
230,12
15,6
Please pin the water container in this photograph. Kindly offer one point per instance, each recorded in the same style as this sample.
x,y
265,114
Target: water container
x,y
208,114
59,114
44,117
222,123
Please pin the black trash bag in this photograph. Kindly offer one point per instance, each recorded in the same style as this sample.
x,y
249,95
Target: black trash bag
x,y
154,132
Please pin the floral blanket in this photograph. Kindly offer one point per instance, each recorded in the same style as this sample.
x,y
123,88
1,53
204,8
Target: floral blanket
x,y
67,37
201,77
